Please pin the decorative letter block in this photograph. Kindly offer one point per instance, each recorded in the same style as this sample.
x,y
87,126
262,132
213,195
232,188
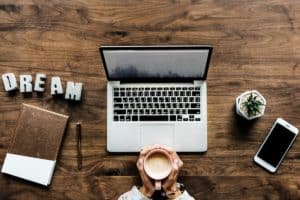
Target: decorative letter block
x,y
9,82
39,82
73,91
25,83
56,87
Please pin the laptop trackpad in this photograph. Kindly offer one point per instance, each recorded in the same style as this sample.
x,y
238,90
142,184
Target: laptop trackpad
x,y
157,134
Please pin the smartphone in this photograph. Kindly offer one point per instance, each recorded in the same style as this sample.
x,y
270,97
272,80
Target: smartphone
x,y
276,145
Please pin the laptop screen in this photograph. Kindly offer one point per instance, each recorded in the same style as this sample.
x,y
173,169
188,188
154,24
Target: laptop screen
x,y
144,63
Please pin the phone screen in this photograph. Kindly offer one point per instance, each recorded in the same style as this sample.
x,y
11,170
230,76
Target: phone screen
x,y
276,145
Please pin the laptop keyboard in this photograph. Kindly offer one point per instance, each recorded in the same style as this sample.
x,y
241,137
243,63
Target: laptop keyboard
x,y
156,104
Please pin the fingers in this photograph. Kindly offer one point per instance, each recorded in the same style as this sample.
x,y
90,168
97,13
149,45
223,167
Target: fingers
x,y
149,148
176,159
139,164
175,171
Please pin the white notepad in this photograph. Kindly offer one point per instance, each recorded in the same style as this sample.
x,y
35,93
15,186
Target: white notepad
x,y
29,168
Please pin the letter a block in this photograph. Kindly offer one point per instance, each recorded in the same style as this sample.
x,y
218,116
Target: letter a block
x,y
56,87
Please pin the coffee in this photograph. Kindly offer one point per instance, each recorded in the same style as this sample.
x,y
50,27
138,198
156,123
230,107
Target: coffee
x,y
158,165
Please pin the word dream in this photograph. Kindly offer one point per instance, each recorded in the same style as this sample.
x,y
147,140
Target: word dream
x,y
73,90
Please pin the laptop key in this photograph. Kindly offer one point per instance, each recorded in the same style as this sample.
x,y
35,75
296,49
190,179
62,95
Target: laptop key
x,y
127,118
172,117
118,112
116,94
195,105
117,100
194,111
119,105
116,118
134,118
196,93
153,117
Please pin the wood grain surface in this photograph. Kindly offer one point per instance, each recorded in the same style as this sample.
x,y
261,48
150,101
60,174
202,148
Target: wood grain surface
x,y
256,46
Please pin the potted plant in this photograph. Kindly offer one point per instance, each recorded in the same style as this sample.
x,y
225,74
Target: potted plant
x,y
250,104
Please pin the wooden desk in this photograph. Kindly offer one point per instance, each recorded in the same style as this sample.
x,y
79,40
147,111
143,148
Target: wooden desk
x,y
256,46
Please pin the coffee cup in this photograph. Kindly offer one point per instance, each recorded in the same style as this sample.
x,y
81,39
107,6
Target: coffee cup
x,y
158,166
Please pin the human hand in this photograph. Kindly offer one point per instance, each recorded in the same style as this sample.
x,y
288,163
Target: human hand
x,y
148,187
170,184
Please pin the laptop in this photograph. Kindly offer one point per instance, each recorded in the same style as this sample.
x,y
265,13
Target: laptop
x,y
156,95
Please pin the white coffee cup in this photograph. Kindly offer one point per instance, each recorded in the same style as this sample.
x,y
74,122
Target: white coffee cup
x,y
158,166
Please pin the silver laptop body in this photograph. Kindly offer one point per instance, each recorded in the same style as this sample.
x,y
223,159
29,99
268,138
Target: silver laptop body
x,y
156,95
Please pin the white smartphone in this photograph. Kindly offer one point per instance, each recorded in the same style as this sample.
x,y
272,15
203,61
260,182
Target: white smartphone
x,y
276,145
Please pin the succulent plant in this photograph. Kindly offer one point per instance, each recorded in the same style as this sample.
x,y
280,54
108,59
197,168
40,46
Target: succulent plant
x,y
253,105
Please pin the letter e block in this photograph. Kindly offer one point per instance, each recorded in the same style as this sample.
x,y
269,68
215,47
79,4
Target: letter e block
x,y
39,85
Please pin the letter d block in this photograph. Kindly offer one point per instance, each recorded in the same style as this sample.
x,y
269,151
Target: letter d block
x,y
73,91
9,82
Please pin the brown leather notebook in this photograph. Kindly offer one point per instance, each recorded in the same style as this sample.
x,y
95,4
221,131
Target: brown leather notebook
x,y
35,144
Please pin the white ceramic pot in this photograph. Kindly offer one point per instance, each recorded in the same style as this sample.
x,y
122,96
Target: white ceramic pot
x,y
240,110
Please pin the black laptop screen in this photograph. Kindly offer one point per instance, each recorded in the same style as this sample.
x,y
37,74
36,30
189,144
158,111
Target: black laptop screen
x,y
137,64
